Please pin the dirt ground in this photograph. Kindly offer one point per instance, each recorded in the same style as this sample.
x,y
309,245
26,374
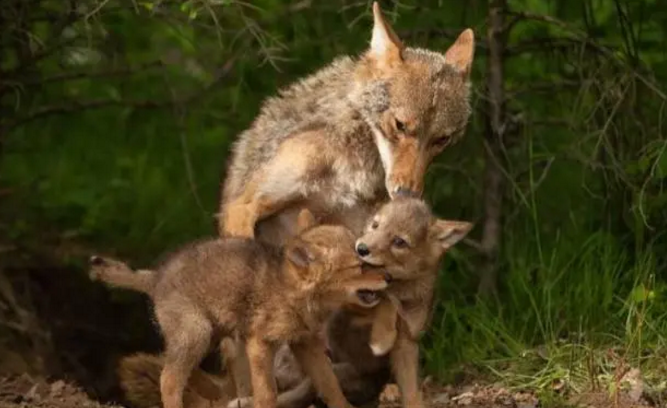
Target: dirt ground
x,y
26,392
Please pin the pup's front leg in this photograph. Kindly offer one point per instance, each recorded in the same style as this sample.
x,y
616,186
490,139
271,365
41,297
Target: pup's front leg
x,y
311,355
405,366
260,357
383,330
234,352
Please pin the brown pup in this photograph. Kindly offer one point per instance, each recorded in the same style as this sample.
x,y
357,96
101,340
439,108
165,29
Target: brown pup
x,y
341,140
409,241
268,295
406,240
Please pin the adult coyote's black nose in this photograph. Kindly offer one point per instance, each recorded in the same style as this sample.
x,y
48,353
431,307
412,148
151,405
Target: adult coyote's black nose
x,y
362,249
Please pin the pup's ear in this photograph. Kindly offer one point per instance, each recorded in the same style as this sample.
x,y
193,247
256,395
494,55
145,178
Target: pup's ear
x,y
385,45
300,255
448,232
462,52
305,220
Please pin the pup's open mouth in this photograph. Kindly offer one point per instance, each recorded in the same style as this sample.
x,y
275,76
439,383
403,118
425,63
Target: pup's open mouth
x,y
368,297
369,267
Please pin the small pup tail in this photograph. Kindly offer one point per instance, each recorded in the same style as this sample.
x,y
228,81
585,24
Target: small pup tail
x,y
117,273
139,376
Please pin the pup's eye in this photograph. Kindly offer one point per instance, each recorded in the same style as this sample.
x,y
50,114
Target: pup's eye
x,y
400,126
374,225
399,242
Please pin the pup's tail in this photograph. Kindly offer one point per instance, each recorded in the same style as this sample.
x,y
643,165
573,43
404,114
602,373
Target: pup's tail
x,y
117,273
139,376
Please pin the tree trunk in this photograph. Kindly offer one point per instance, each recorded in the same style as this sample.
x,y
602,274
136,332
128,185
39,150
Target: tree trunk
x,y
495,127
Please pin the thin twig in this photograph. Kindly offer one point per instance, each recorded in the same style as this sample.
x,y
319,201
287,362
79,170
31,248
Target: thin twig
x,y
78,106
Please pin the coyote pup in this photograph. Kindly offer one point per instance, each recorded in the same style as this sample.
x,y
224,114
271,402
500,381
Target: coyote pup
x,y
406,240
268,295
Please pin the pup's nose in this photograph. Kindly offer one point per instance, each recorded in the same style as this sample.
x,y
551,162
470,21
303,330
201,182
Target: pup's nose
x,y
362,249
406,192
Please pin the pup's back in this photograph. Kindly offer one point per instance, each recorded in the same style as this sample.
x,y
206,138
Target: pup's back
x,y
211,278
215,275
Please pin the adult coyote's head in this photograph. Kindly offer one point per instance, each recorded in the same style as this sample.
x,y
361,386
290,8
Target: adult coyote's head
x,y
415,100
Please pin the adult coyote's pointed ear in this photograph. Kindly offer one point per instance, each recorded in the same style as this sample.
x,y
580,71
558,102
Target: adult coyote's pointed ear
x,y
386,48
462,52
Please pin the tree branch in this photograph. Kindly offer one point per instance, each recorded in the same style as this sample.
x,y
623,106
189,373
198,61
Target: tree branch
x,y
78,106
71,76
448,33
585,39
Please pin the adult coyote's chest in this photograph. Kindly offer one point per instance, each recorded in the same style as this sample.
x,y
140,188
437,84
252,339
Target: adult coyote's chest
x,y
351,181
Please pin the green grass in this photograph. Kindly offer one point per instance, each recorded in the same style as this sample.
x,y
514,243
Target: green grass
x,y
574,322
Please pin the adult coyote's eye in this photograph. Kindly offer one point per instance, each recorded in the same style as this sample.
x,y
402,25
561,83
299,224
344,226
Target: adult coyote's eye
x,y
374,225
399,242
400,126
443,140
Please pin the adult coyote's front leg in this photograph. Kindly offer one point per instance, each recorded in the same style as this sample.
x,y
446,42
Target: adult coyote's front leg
x,y
284,180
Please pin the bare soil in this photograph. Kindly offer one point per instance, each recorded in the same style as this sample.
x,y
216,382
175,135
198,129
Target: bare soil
x,y
495,396
29,392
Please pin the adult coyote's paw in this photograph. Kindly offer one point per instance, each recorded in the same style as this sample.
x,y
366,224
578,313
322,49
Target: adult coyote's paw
x,y
239,221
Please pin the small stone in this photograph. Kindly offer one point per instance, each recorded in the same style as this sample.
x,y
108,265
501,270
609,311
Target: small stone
x,y
464,399
57,388
634,380
441,398
32,394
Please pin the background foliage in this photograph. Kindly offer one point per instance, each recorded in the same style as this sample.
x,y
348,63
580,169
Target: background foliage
x,y
117,116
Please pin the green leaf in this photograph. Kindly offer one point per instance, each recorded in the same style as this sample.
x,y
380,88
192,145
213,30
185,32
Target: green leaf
x,y
640,294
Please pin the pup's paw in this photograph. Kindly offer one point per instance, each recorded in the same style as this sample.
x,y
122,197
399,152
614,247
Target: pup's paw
x,y
243,402
382,340
380,349
99,266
